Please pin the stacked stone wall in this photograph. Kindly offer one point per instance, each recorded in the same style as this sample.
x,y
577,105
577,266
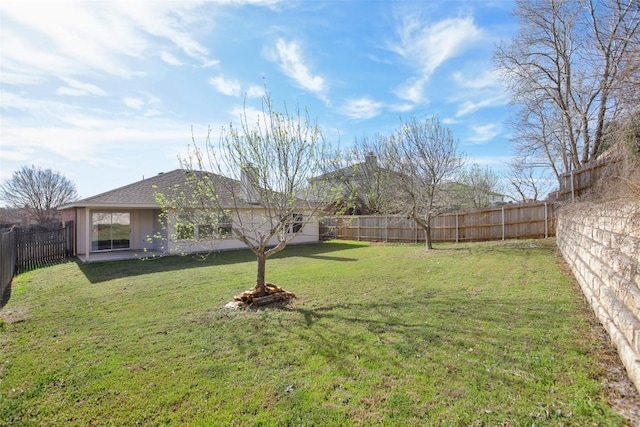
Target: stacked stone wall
x,y
601,244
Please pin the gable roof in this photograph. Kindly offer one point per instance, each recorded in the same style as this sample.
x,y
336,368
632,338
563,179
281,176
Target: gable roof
x,y
355,171
142,194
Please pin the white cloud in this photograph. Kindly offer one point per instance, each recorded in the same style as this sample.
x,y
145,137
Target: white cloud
x,y
288,56
252,115
168,20
485,79
67,38
76,88
229,87
73,127
72,38
484,133
135,103
255,91
147,106
170,59
468,107
362,108
412,90
428,46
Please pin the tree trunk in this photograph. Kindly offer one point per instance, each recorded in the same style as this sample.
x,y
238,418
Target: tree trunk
x,y
427,233
262,265
426,226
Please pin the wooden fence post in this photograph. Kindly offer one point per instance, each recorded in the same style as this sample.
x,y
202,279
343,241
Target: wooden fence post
x,y
546,221
457,229
573,192
386,229
503,225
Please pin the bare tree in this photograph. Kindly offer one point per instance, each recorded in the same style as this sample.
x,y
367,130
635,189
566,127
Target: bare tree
x,y
362,177
370,180
564,73
480,187
422,156
615,30
529,181
254,183
39,192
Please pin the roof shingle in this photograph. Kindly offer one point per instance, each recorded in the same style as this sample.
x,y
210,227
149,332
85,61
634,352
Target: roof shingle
x,y
143,193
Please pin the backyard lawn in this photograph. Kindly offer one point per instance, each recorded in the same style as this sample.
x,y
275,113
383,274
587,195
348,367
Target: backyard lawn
x,y
482,334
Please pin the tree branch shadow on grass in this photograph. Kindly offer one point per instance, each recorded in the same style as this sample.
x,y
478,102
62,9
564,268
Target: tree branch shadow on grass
x,y
345,348
105,271
460,326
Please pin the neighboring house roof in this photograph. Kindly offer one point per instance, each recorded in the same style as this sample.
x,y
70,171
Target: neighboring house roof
x,y
142,194
357,171
455,185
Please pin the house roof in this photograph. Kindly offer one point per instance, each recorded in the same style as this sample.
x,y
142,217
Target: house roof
x,y
361,170
142,194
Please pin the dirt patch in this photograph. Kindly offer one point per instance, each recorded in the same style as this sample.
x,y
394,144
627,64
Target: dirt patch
x,y
621,393
14,315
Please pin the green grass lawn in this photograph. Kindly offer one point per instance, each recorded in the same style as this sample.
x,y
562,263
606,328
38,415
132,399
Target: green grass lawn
x,y
482,334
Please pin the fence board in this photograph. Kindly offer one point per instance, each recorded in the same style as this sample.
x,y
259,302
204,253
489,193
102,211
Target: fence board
x,y
507,222
7,262
579,182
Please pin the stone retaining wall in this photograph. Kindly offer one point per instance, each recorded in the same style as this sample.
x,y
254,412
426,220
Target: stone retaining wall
x,y
601,244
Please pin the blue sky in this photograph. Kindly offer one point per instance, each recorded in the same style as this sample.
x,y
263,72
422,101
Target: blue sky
x,y
107,92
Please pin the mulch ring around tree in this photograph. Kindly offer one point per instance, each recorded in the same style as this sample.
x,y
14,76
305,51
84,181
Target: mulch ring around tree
x,y
252,297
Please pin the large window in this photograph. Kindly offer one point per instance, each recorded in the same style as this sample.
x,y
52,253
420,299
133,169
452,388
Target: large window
x,y
110,230
198,226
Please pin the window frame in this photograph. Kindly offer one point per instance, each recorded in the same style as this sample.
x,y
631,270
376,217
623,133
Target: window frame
x,y
295,223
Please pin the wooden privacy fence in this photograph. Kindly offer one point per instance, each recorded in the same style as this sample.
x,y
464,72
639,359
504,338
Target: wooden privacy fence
x,y
506,222
578,182
43,247
23,250
7,262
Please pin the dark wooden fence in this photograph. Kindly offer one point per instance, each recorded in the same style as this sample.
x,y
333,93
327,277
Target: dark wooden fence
x,y
579,182
7,263
42,247
532,220
23,250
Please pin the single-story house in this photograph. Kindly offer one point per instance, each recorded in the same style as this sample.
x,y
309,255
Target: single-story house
x,y
127,222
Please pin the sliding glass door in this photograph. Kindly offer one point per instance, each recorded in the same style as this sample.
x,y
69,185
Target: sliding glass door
x,y
110,230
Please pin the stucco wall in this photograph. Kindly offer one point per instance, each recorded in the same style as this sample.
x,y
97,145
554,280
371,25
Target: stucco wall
x,y
601,244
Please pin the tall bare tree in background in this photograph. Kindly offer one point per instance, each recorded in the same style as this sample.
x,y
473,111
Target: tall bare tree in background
x,y
528,182
38,192
565,72
479,187
362,176
422,155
